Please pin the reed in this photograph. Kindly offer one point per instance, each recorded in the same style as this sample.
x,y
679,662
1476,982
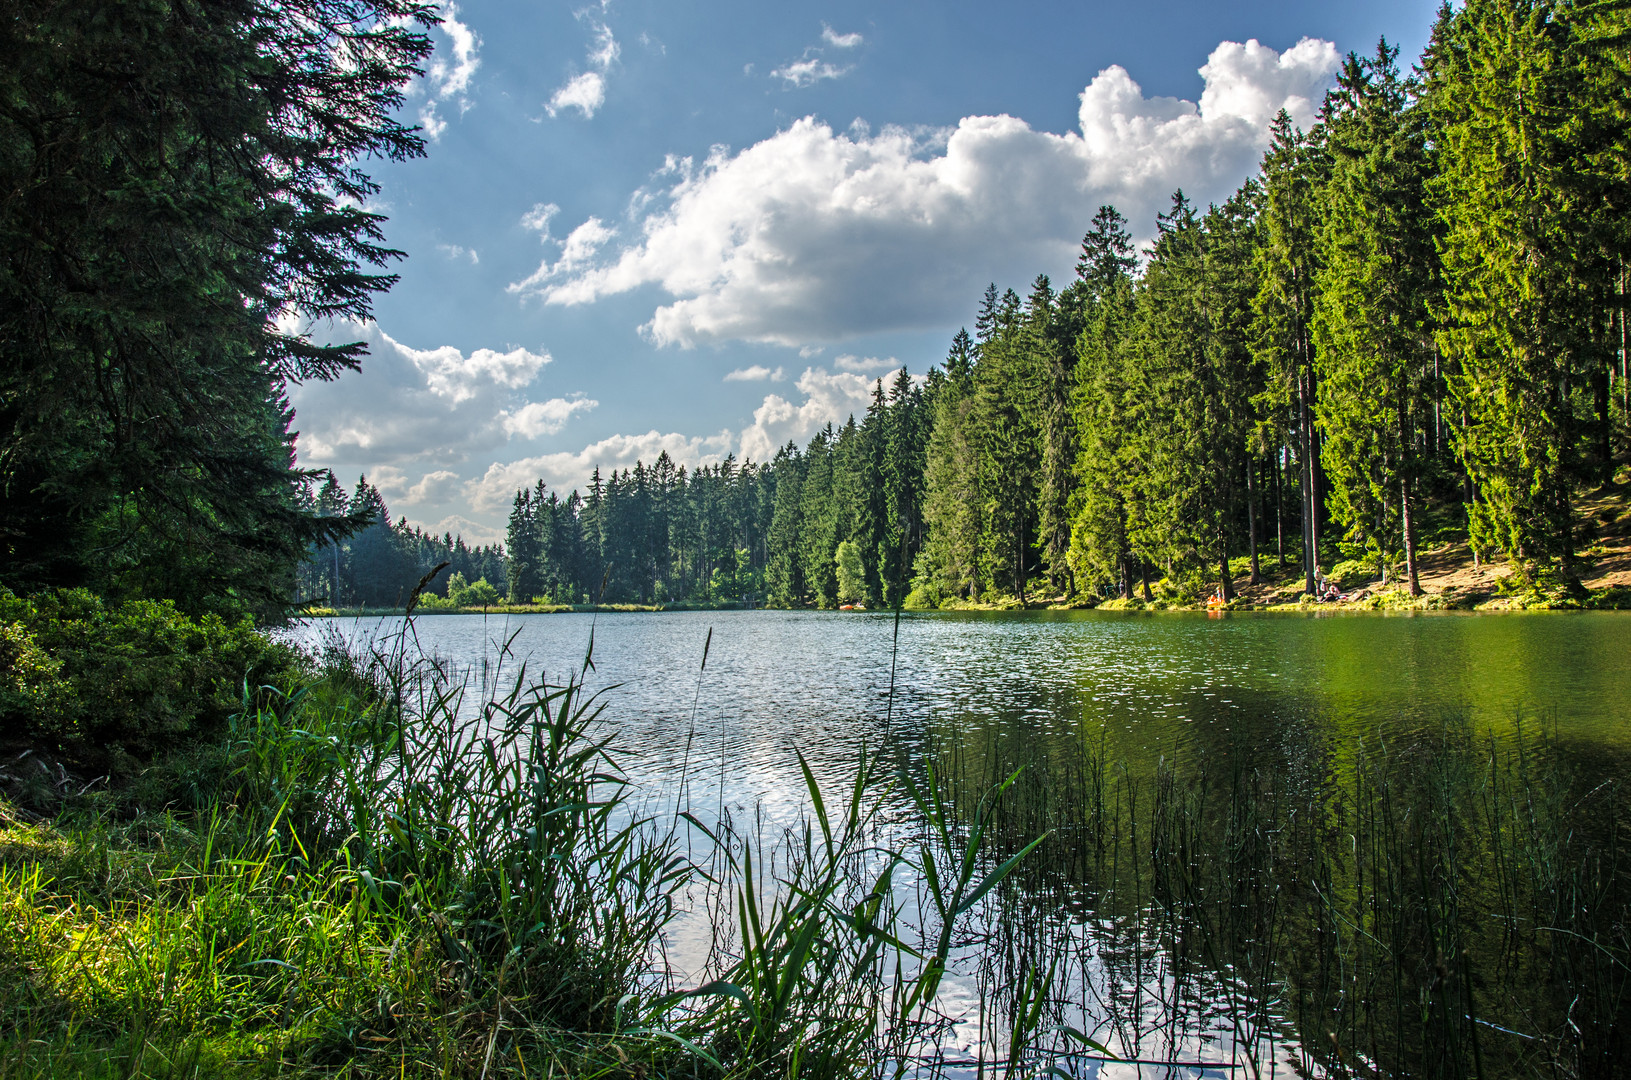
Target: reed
x,y
391,873
402,868
1455,908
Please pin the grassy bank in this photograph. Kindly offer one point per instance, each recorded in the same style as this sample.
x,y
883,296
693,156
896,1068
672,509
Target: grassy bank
x,y
372,875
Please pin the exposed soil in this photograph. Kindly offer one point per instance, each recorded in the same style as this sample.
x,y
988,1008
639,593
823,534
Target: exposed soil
x,y
1450,577
1450,573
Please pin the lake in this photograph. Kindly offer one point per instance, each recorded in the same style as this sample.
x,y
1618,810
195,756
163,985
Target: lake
x,y
1296,843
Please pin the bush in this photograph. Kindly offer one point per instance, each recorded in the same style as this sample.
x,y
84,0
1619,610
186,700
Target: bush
x,y
925,596
107,685
478,593
1351,573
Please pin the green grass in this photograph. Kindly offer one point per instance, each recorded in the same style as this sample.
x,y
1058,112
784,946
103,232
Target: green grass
x,y
373,876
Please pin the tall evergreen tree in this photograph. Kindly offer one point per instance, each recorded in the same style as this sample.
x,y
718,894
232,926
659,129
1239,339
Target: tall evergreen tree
x,y
1099,543
1004,422
1372,332
1282,327
179,177
1532,256
953,509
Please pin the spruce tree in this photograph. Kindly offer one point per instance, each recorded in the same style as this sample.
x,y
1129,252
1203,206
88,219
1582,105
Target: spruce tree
x,y
1532,249
1283,311
179,178
1372,330
953,510
1099,545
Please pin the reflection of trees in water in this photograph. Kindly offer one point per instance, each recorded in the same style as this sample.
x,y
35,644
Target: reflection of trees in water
x,y
1446,906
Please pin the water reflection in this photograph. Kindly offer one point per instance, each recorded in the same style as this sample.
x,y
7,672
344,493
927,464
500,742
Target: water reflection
x,y
1272,838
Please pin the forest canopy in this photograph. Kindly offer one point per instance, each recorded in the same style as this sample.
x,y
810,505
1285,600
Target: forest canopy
x,y
1409,325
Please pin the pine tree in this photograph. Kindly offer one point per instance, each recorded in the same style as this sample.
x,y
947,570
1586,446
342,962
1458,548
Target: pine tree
x,y
179,177
906,447
380,570
1532,251
784,570
1004,431
1372,331
952,505
1099,545
521,543
1282,326
818,512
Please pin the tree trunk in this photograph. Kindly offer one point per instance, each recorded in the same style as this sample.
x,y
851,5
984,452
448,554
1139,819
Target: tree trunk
x,y
1306,471
1280,507
1144,570
1251,520
1409,538
1019,568
1225,578
1605,422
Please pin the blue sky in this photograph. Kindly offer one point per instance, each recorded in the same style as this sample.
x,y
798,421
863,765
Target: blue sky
x,y
706,229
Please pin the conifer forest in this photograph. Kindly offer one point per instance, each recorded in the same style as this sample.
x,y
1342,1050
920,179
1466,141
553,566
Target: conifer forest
x,y
1409,325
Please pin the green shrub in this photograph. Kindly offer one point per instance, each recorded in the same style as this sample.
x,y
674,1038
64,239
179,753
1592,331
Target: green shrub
x,y
1351,573
478,593
924,597
111,684
1613,598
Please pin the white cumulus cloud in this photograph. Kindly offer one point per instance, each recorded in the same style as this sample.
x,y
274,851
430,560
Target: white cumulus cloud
x,y
577,250
865,364
458,252
808,72
603,53
814,235
434,487
756,373
475,533
830,397
564,471
586,92
448,78
412,414
450,374
840,41
537,418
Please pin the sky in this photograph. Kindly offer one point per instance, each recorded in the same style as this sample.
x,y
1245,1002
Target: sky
x,y
709,228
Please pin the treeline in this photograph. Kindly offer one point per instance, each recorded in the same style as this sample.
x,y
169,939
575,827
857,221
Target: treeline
x,y
1411,320
738,533
380,564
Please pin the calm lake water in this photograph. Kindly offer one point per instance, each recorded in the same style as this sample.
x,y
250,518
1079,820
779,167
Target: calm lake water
x,y
1309,701
1163,683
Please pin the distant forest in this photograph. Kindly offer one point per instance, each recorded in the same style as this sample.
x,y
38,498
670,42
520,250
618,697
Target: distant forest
x,y
1408,326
